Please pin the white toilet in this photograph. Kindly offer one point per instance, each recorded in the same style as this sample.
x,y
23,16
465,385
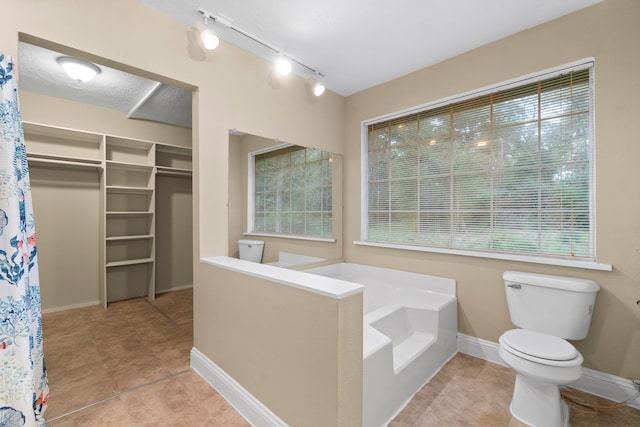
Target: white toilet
x,y
251,250
548,309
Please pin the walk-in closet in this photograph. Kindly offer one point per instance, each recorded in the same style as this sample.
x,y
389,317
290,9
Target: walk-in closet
x,y
113,212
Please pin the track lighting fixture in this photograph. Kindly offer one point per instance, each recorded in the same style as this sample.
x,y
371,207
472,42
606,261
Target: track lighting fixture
x,y
316,85
209,40
318,88
283,64
79,69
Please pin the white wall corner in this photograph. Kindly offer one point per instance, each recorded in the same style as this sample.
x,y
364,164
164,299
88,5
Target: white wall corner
x,y
244,402
609,386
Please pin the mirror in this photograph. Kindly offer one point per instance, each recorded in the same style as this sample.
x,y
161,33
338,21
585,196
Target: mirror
x,y
324,224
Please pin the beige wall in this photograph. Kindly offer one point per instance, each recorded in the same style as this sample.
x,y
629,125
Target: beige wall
x,y
276,341
610,33
233,89
239,149
174,233
66,206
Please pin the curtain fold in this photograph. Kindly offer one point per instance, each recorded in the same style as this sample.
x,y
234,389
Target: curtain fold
x,y
24,388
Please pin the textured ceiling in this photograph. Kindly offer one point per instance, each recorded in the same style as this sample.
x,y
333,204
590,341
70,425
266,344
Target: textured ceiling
x,y
139,97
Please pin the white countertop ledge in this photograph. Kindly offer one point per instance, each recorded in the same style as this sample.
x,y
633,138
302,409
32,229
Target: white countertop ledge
x,y
333,288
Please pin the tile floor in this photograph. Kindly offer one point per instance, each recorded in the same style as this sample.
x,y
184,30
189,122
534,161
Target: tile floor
x,y
129,366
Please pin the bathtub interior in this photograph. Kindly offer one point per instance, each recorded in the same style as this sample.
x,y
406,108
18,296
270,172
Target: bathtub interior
x,y
409,333
384,285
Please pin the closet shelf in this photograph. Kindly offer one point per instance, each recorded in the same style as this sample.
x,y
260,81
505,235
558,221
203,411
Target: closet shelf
x,y
124,189
129,262
174,149
129,213
133,237
128,166
61,133
69,161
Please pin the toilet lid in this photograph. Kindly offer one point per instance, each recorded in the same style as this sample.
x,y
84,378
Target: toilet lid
x,y
539,345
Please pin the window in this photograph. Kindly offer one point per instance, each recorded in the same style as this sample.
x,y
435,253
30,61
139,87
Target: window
x,y
509,171
291,192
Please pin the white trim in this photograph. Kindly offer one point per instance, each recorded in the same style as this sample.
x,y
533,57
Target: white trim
x,y
70,307
251,191
477,347
272,148
608,386
174,289
292,236
321,285
244,402
562,262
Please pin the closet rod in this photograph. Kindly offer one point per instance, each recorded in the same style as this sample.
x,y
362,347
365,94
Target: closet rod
x,y
166,172
53,162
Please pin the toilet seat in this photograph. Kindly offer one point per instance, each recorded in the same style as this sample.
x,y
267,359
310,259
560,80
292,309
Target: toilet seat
x,y
540,348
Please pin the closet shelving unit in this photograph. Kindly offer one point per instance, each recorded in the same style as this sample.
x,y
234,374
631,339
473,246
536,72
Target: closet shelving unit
x,y
59,147
130,217
127,197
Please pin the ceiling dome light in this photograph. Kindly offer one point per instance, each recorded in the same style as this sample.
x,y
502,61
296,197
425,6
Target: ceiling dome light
x,y
283,66
78,69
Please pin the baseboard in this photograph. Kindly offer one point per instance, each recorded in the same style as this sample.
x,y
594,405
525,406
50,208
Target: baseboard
x,y
175,288
70,307
244,402
479,348
609,386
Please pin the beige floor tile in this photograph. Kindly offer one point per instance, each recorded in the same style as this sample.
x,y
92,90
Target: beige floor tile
x,y
129,366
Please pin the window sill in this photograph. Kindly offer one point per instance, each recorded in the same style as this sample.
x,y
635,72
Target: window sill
x,y
563,262
293,237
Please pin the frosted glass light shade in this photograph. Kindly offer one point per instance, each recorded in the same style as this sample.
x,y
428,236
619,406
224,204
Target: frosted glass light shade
x,y
78,69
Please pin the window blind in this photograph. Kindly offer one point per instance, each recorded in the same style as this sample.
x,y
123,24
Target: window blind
x,y
508,171
293,192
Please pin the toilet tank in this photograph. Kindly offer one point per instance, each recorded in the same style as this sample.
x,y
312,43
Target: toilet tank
x,y
251,250
555,305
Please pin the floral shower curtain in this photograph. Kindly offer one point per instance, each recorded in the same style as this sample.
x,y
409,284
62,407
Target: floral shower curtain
x,y
24,389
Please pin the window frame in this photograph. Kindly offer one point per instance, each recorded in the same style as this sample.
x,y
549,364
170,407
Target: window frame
x,y
589,263
251,192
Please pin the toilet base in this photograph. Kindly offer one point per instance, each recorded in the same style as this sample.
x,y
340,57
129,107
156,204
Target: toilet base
x,y
538,404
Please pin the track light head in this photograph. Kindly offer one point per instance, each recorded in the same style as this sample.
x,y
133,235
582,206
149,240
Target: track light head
x,y
283,66
209,40
318,89
316,85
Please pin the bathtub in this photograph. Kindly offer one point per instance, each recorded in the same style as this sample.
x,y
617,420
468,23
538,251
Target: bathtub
x,y
409,332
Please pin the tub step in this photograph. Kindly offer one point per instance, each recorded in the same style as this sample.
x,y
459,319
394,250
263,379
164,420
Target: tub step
x,y
408,349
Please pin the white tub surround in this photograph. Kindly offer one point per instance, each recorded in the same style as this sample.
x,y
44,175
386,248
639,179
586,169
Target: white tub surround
x,y
334,288
289,260
409,333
